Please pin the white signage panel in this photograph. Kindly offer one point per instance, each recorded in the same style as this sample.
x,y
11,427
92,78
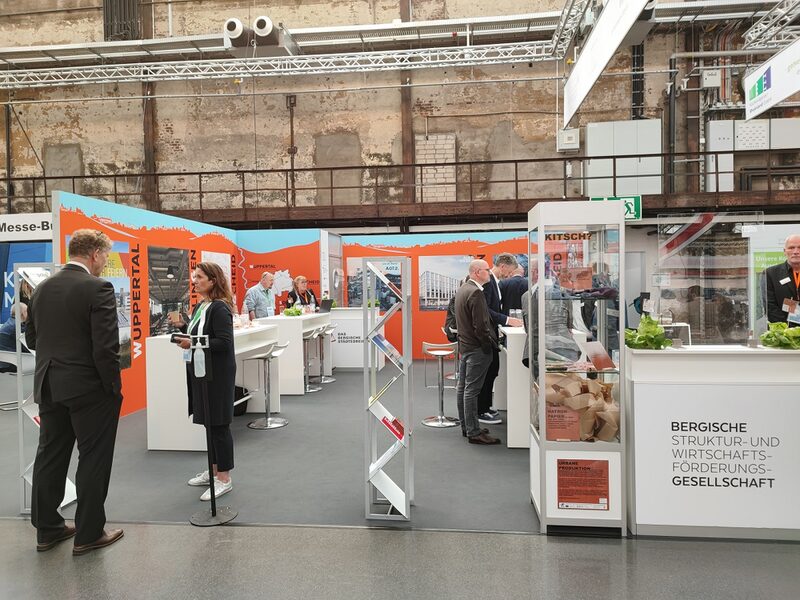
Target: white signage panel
x,y
614,23
772,82
717,455
28,227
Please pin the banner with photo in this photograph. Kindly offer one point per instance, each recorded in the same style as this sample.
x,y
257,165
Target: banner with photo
x,y
439,262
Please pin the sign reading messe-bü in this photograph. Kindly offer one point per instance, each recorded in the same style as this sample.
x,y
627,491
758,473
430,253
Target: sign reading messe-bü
x,y
772,82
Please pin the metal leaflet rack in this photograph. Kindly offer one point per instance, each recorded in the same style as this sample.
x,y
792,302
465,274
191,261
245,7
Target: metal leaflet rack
x,y
33,274
381,490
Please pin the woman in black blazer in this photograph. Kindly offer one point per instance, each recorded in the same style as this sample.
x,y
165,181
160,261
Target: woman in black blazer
x,y
213,316
301,294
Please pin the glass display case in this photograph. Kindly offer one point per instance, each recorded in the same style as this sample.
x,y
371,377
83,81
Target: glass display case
x,y
575,335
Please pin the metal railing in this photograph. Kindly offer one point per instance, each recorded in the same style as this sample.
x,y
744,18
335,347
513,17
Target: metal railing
x,y
473,182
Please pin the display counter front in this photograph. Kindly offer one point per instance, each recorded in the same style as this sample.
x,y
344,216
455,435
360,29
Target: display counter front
x,y
291,329
347,344
714,442
168,425
511,388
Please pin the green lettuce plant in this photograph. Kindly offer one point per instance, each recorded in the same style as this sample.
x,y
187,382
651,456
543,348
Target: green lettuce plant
x,y
648,336
294,311
780,335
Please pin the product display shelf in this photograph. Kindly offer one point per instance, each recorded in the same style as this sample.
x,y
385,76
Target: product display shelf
x,y
385,499
577,428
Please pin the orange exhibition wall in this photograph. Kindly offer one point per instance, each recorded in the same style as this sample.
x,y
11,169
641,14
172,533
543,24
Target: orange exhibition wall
x,y
137,234
442,257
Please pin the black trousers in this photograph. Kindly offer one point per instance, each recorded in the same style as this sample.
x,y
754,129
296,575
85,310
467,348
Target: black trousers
x,y
222,447
92,421
485,397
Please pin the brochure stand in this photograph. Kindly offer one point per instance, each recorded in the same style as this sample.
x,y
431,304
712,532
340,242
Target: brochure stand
x,y
387,285
212,516
28,411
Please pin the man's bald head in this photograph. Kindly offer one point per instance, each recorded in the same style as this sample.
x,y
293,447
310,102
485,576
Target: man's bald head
x,y
479,271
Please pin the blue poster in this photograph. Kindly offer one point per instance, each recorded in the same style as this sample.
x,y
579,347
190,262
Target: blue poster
x,y
12,253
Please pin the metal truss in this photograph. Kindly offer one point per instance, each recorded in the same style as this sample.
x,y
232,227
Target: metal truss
x,y
772,30
464,56
568,25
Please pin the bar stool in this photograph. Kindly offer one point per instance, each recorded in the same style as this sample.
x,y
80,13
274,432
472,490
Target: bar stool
x,y
457,362
326,332
440,351
267,422
308,337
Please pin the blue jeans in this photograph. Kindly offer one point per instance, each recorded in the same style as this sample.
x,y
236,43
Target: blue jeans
x,y
473,368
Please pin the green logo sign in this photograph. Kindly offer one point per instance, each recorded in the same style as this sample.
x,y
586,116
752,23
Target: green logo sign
x,y
633,205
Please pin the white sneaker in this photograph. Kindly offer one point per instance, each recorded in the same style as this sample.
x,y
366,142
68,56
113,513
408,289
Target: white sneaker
x,y
200,479
220,489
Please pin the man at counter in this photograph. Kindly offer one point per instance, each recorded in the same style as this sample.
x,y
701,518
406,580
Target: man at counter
x,y
504,266
260,300
511,289
782,282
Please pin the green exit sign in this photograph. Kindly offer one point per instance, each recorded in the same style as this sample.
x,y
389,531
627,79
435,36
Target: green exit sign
x,y
633,205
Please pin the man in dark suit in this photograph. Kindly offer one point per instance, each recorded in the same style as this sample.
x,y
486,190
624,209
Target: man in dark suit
x,y
73,328
511,290
504,265
783,281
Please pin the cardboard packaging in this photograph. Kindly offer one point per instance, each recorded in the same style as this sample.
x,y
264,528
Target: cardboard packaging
x,y
579,409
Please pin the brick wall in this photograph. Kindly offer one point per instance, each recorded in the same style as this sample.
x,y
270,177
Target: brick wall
x,y
438,183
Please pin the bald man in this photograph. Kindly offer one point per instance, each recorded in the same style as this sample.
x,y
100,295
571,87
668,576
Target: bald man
x,y
478,342
783,281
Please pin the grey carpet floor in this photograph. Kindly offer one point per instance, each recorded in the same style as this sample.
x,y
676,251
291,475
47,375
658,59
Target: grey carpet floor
x,y
311,472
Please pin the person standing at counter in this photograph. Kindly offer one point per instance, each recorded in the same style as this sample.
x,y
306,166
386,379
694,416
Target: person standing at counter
x,y
504,265
783,282
301,294
260,300
512,289
477,338
213,316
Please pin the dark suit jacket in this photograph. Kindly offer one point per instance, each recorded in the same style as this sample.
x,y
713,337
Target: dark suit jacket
x,y
777,292
72,325
475,329
512,290
493,301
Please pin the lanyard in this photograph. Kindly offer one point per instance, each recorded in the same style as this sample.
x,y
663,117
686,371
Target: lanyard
x,y
199,314
797,282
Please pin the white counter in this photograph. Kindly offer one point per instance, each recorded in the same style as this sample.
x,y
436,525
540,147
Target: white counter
x,y
511,388
168,425
291,329
348,339
713,442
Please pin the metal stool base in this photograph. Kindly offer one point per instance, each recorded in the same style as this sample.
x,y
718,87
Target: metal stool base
x,y
440,422
312,388
324,379
268,423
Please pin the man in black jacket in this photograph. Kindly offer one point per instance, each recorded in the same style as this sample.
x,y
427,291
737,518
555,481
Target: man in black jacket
x,y
512,289
504,265
73,328
478,342
783,281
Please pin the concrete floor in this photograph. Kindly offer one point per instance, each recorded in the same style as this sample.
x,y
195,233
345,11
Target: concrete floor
x,y
181,561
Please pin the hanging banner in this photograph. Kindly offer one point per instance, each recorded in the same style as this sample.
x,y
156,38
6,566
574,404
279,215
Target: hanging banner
x,y
772,82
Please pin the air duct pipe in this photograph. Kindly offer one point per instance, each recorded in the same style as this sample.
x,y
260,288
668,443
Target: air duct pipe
x,y
239,35
266,34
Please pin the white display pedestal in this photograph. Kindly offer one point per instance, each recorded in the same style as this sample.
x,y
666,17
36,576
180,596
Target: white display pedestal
x,y
511,388
714,442
347,345
169,427
291,329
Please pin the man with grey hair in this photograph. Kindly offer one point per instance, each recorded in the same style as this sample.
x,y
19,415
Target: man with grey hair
x,y
259,300
72,325
478,342
782,283
505,264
